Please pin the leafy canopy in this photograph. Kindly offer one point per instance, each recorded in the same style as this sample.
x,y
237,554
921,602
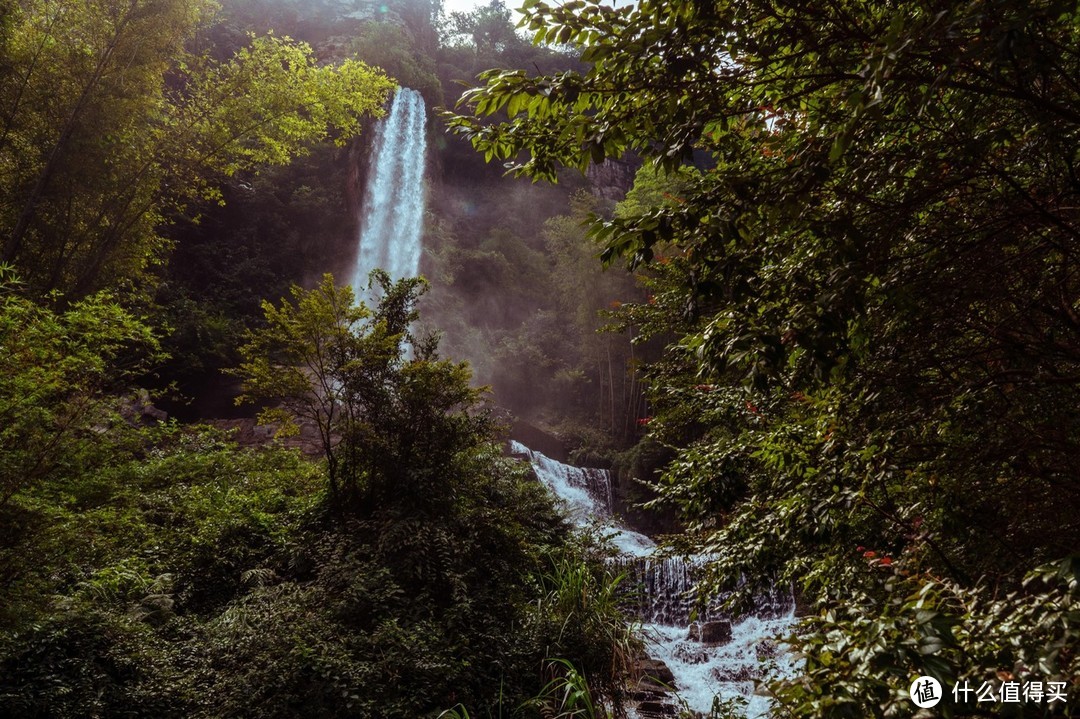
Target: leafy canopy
x,y
390,415
869,292
60,376
109,127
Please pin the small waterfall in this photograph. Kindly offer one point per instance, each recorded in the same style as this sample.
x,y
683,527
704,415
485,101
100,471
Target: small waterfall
x,y
667,590
393,213
707,654
586,496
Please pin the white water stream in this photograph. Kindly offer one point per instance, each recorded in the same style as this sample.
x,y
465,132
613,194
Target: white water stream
x,y
701,671
393,214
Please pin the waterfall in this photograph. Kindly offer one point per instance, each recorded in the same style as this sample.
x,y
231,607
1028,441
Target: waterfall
x,y
393,211
708,655
586,496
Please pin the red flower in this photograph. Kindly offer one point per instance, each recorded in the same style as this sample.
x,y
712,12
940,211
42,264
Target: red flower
x,y
860,549
886,561
870,554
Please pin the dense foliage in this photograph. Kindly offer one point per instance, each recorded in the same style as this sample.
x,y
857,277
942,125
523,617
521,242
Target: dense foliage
x,y
390,415
60,374
870,293
154,570
111,126
183,576
855,234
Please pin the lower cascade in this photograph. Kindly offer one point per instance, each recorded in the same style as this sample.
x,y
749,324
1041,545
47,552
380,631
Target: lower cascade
x,y
700,656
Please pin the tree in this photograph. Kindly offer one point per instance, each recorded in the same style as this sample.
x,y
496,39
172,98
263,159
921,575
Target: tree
x,y
488,26
390,47
873,285
60,374
390,415
108,127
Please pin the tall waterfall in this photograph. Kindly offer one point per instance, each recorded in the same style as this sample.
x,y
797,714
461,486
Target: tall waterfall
x,y
393,213
701,668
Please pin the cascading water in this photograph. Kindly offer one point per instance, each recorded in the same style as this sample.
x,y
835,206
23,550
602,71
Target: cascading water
x,y
393,215
707,657
586,494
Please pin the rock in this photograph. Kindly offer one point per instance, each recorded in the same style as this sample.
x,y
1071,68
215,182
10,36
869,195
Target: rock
x,y
694,635
538,440
766,649
742,674
612,178
718,632
651,695
247,432
657,669
137,409
656,710
691,654
154,413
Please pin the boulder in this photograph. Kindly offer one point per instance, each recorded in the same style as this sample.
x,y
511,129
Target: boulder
x,y
656,710
734,674
656,669
718,632
151,412
691,653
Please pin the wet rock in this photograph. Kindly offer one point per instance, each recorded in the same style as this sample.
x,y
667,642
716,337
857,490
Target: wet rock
x,y
656,710
658,670
766,649
713,633
694,635
734,674
691,654
652,695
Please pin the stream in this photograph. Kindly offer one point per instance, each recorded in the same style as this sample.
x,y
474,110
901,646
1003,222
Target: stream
x,y
712,656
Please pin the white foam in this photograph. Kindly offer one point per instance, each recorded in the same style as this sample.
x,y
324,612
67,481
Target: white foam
x,y
729,670
701,672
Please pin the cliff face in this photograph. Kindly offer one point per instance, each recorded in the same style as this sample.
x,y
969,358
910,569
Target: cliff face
x,y
612,179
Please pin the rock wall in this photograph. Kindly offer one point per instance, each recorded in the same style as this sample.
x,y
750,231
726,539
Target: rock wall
x,y
612,179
